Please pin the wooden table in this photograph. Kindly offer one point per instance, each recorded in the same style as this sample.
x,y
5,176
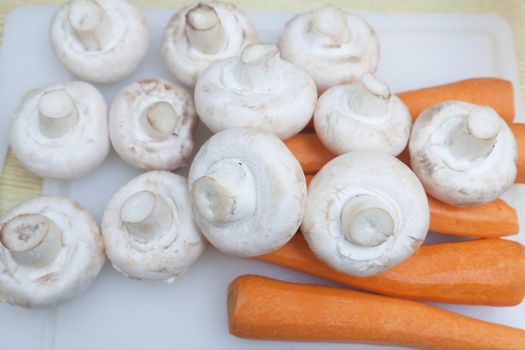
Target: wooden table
x,y
16,184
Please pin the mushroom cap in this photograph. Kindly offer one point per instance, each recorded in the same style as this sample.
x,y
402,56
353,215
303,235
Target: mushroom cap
x,y
80,150
125,50
330,64
169,254
284,109
71,272
280,191
343,129
187,63
454,180
134,144
385,180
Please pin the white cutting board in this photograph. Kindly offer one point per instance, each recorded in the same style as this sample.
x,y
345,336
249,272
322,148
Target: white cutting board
x,y
117,313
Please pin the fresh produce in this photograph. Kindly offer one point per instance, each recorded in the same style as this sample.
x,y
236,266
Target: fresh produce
x,y
203,33
151,125
256,89
519,134
333,45
61,131
101,41
248,191
464,154
480,272
51,251
262,308
365,212
148,228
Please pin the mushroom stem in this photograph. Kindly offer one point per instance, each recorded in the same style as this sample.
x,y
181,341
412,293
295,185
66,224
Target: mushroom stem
x,y
159,120
204,29
57,113
365,222
259,67
373,97
226,193
329,24
476,136
91,24
146,216
32,239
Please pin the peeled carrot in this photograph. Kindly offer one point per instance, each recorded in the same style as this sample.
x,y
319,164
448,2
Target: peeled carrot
x,y
494,92
479,272
263,308
519,134
491,220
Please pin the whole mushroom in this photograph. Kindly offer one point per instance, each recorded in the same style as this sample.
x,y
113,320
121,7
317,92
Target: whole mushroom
x,y
50,252
61,131
366,212
333,45
203,33
464,154
362,116
101,41
151,125
148,228
258,90
248,192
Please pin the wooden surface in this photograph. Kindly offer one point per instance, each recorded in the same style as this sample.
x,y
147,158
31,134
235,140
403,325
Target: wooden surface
x,y
16,184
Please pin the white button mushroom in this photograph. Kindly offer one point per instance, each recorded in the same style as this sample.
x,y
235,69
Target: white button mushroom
x,y
148,228
257,89
100,41
248,192
334,46
201,34
362,116
61,131
464,154
366,212
50,252
151,125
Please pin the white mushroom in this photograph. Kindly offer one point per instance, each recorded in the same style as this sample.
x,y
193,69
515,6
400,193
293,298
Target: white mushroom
x,y
148,228
362,116
61,130
200,34
50,252
248,192
366,212
334,46
151,125
257,89
464,154
100,41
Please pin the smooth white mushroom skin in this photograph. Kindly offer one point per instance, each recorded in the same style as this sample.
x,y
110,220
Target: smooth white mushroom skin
x,y
203,33
100,41
258,90
151,125
366,212
334,46
464,154
362,116
248,192
50,252
61,131
148,228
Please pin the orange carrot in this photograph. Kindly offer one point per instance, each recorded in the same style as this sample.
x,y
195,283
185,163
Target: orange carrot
x,y
491,220
519,134
494,92
479,272
264,308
